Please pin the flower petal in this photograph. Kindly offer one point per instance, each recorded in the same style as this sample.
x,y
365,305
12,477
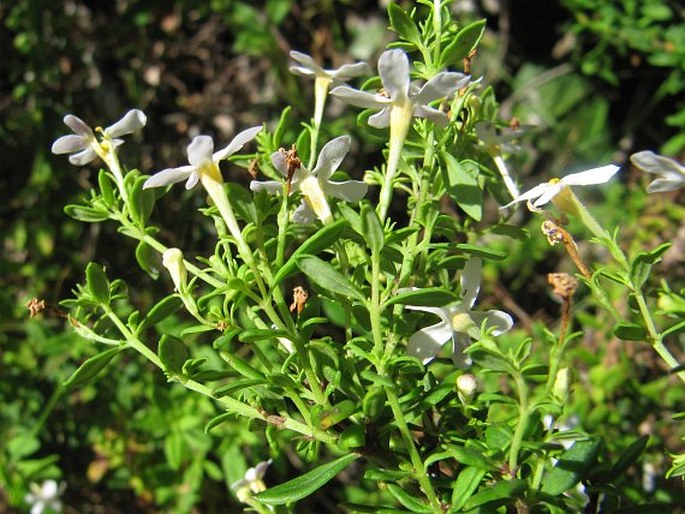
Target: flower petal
x,y
498,321
443,85
304,215
599,175
69,144
200,150
442,312
550,192
460,342
663,184
350,190
427,342
279,162
309,67
439,118
169,176
270,186
393,67
331,156
360,98
470,281
193,179
84,157
536,192
380,119
238,142
653,163
78,126
349,71
133,120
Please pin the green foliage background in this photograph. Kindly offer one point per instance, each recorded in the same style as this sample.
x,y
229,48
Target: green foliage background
x,y
597,79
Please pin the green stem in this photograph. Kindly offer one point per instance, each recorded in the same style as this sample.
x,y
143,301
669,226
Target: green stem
x,y
417,464
522,424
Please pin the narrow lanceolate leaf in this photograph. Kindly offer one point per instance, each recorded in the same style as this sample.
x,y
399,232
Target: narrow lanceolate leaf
x,y
402,24
409,499
465,41
326,276
97,282
160,311
571,467
373,231
428,296
501,492
324,238
91,368
306,484
467,482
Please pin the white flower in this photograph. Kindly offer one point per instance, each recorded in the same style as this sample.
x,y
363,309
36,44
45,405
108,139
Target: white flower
x,y
306,67
671,174
457,322
393,68
252,482
543,193
315,185
84,146
202,159
45,496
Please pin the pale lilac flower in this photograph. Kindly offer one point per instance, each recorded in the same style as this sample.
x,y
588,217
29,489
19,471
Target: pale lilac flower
x,y
543,193
393,68
306,67
252,482
670,173
84,146
45,496
315,185
202,159
458,323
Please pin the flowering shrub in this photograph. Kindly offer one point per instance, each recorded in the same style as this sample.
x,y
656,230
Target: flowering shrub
x,y
312,321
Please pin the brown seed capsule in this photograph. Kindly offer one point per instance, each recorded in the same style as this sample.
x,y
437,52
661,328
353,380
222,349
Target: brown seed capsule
x,y
300,297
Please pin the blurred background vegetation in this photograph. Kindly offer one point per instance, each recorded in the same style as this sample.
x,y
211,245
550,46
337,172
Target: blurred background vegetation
x,y
597,80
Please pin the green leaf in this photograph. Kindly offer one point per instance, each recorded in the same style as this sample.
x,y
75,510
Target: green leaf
x,y
106,188
643,262
260,334
465,41
142,201
237,386
479,251
97,282
571,467
160,311
470,457
321,240
461,182
218,420
630,331
627,459
280,128
242,202
371,226
409,499
339,412
425,297
674,329
146,258
173,353
504,490
86,214
306,484
91,368
403,25
467,482
327,277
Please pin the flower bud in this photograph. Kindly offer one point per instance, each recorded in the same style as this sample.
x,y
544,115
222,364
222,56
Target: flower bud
x,y
172,260
466,388
561,384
